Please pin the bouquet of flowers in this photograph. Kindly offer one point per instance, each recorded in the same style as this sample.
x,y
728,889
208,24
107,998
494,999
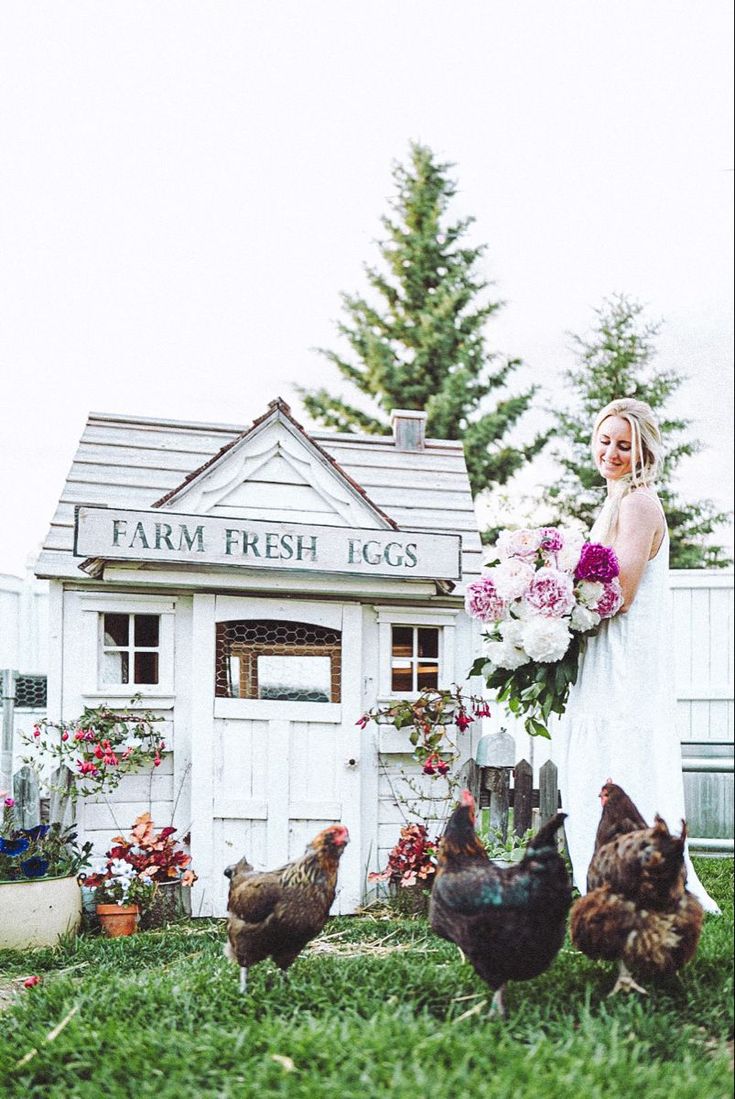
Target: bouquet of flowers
x,y
545,593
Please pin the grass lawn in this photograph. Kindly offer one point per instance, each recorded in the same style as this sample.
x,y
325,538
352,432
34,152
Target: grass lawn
x,y
378,1006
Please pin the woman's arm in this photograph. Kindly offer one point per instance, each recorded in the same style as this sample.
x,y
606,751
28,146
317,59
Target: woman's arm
x,y
639,522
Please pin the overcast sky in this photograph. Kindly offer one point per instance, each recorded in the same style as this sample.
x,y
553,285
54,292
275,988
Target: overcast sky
x,y
186,188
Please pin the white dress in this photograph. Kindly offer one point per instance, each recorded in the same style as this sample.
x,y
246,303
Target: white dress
x,y
619,723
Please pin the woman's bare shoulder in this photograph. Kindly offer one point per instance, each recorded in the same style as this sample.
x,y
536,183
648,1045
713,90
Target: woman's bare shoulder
x,y
642,506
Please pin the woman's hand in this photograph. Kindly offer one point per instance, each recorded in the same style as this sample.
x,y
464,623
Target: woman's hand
x,y
639,532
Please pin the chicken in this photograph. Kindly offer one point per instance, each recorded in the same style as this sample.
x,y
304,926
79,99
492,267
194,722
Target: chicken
x,y
274,914
637,911
508,922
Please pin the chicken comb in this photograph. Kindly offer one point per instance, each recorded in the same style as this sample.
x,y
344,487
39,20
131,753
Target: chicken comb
x,y
466,799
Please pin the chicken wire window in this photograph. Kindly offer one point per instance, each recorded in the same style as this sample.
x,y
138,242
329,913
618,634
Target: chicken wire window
x,y
129,649
414,658
271,659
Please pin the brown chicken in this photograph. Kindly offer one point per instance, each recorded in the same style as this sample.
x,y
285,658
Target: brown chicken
x,y
508,922
637,911
274,914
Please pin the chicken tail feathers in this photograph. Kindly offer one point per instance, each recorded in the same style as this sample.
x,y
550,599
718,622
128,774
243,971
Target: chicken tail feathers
x,y
546,835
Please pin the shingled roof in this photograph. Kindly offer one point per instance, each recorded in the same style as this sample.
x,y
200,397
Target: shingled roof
x,y
136,462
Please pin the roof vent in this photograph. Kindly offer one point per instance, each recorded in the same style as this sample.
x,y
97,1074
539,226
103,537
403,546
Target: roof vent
x,y
409,428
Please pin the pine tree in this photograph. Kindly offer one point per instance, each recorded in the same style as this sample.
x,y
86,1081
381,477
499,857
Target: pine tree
x,y
616,360
422,345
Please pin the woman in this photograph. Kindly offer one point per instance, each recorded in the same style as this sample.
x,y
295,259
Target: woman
x,y
619,722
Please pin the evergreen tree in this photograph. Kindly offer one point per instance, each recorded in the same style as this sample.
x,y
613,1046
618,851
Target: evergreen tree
x,y
422,344
616,360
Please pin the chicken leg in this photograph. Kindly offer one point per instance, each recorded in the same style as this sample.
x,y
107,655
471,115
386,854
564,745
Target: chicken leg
x,y
497,1006
243,979
625,982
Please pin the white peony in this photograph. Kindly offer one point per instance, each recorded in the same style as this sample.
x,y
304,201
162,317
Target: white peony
x,y
589,592
512,578
546,639
511,631
584,619
568,556
501,654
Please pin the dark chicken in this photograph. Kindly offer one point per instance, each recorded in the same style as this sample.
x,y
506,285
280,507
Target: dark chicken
x,y
274,914
637,911
509,922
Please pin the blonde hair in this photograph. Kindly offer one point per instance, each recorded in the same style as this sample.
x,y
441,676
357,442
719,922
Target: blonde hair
x,y
646,458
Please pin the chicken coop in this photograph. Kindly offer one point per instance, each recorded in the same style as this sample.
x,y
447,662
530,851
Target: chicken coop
x,y
259,588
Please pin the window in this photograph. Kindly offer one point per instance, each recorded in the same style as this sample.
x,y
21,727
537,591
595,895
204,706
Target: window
x,y
414,658
129,649
273,659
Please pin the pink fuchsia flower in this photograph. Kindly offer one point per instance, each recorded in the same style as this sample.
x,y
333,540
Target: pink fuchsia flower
x,y
597,562
482,600
362,721
519,543
483,711
551,593
462,720
86,768
36,732
611,600
65,735
512,578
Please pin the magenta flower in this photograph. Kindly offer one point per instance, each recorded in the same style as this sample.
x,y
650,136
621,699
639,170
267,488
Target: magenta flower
x,y
9,803
551,540
482,600
611,599
597,562
551,593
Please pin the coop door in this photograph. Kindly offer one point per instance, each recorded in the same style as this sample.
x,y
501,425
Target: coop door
x,y
286,747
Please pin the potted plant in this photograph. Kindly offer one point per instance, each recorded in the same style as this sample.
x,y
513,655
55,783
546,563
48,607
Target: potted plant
x,y
505,851
411,869
40,899
120,893
153,857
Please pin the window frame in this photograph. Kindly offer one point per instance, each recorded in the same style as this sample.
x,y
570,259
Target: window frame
x,y
444,620
94,606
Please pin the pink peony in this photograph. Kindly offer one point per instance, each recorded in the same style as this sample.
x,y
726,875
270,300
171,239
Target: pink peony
x,y
551,593
551,540
611,599
512,578
483,601
518,543
597,562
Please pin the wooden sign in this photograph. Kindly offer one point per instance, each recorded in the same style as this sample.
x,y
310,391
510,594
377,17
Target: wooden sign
x,y
114,534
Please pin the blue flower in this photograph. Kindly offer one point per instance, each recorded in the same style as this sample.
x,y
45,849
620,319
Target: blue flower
x,y
14,846
34,867
36,833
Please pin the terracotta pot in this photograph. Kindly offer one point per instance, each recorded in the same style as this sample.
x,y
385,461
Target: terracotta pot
x,y
118,919
38,912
